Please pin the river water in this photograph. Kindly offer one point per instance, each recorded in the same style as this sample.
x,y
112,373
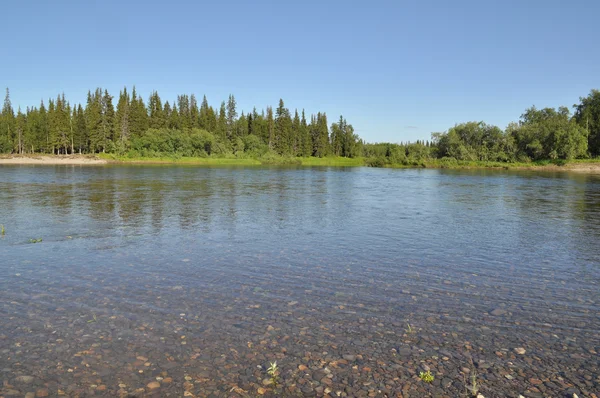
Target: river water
x,y
173,280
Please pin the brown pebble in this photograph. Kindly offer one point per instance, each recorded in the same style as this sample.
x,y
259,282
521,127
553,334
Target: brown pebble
x,y
261,390
302,367
153,385
42,393
168,380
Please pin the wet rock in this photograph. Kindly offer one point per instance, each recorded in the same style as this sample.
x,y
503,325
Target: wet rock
x,y
349,357
153,385
24,379
498,312
42,393
520,350
11,393
30,395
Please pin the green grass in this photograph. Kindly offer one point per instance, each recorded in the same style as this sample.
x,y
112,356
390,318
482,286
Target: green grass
x,y
333,161
268,159
480,164
427,377
209,161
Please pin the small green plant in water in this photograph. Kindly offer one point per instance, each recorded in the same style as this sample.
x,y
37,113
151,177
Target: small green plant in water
x,y
473,387
427,377
409,328
273,371
35,240
93,320
2,230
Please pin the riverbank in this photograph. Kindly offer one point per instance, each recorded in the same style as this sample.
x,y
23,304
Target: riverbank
x,y
581,166
51,160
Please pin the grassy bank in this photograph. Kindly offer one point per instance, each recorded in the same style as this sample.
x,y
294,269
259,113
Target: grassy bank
x,y
238,161
539,164
581,165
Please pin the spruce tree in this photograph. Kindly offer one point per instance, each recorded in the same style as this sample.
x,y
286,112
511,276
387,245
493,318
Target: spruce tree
x,y
7,125
174,119
108,121
20,128
93,121
231,117
222,122
122,117
204,122
185,116
80,130
194,113
270,128
295,136
283,129
156,117
305,137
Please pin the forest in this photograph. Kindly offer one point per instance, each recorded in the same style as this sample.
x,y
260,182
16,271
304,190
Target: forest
x,y
135,128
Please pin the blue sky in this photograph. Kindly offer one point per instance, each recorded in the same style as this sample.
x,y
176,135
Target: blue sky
x,y
397,70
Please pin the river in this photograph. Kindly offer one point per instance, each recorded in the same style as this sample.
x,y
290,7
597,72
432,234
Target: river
x,y
171,280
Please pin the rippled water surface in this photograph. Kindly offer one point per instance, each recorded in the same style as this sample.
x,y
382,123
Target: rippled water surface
x,y
354,280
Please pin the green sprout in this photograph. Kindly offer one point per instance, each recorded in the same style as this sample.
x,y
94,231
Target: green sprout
x,y
2,230
273,371
409,328
35,240
427,377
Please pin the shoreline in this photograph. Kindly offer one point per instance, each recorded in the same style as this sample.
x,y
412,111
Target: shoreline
x,y
75,160
83,160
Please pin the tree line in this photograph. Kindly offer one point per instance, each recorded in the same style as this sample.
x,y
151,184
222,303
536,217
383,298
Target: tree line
x,y
154,128
149,128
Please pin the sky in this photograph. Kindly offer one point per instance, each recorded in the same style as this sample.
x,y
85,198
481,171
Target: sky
x,y
396,70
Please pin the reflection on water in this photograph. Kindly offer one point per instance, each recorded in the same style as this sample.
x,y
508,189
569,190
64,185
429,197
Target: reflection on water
x,y
275,263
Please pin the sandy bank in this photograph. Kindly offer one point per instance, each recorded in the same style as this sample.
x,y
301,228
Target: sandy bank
x,y
570,167
52,160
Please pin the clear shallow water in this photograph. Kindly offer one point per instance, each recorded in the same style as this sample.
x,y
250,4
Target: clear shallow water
x,y
303,266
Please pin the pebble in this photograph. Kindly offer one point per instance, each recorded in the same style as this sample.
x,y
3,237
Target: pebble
x,y
24,379
498,312
153,385
520,350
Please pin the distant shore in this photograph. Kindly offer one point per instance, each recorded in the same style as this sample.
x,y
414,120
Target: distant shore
x,y
579,166
51,160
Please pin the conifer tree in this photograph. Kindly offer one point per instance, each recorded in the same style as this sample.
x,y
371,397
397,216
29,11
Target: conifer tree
x,y
7,125
174,118
80,130
222,122
204,122
231,117
194,113
122,117
20,128
138,116
283,129
295,138
156,117
305,137
108,121
185,117
43,133
93,121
